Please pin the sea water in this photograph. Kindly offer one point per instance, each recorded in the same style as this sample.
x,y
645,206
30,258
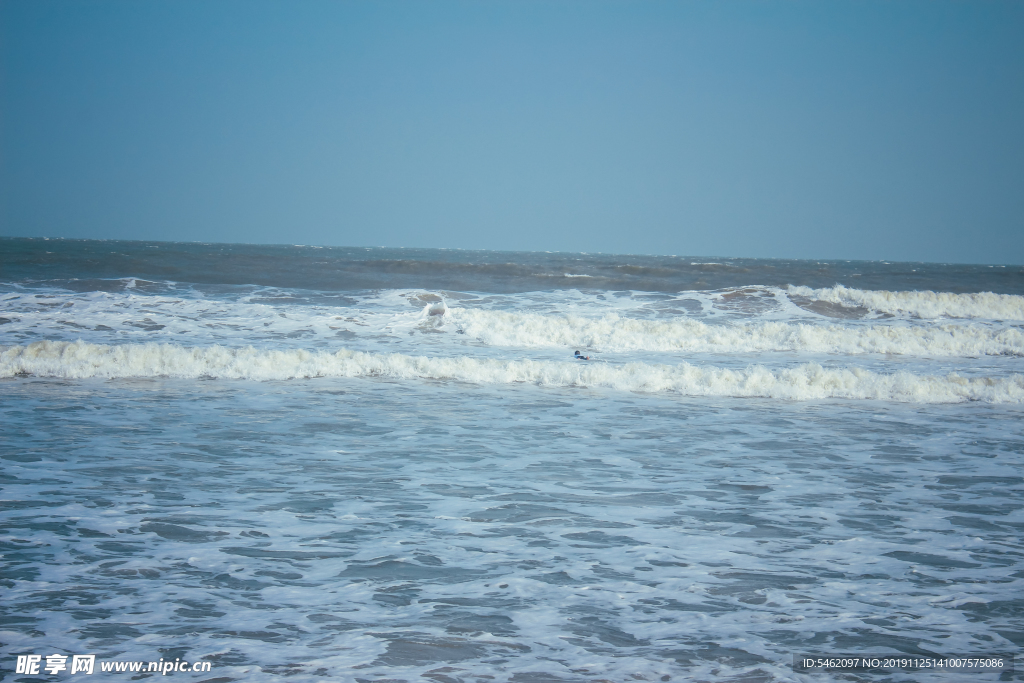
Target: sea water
x,y
370,464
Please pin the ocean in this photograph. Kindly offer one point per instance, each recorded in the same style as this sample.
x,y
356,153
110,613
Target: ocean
x,y
314,463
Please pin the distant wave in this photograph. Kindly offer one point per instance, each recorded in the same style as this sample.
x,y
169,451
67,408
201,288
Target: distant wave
x,y
613,333
808,381
922,304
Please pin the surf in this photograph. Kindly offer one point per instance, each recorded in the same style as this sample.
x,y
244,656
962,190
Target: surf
x,y
808,381
612,332
921,304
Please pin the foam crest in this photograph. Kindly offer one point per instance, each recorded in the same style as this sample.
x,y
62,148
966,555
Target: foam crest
x,y
924,304
808,381
614,333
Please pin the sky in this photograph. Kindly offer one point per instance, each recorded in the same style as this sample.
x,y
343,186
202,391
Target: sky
x,y
854,130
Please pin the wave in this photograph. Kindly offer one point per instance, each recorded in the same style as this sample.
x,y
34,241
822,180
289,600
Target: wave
x,y
805,382
613,333
921,304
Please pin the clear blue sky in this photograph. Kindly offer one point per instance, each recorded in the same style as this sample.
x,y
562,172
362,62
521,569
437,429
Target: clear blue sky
x,y
860,130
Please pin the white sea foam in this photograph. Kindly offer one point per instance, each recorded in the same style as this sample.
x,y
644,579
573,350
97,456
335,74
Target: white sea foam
x,y
922,304
614,333
807,381
616,324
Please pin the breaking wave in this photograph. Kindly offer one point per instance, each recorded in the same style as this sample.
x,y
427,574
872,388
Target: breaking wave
x,y
922,304
807,381
613,333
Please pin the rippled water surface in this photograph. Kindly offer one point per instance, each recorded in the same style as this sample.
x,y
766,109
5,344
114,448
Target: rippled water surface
x,y
385,465
363,530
